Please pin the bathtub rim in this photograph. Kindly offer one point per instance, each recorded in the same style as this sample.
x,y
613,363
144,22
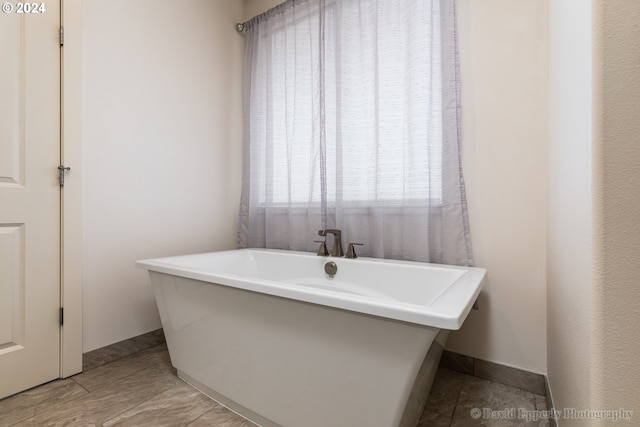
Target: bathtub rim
x,y
447,311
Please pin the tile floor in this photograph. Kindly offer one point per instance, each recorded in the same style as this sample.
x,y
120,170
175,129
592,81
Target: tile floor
x,y
142,389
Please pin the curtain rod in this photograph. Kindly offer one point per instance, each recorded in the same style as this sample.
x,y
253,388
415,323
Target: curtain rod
x,y
240,27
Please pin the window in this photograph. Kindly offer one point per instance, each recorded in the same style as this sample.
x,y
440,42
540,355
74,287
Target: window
x,y
351,106
370,105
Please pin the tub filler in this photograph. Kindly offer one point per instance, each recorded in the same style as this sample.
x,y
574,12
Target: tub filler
x,y
271,336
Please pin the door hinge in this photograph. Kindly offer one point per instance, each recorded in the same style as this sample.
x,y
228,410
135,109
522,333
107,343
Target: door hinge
x,y
61,170
61,36
61,316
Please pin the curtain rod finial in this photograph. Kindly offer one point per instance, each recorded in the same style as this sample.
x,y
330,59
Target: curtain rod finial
x,y
240,27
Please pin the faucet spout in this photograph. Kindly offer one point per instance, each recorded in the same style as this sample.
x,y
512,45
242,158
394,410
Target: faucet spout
x,y
337,241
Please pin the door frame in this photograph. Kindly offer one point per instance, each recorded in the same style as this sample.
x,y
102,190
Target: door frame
x,y
71,204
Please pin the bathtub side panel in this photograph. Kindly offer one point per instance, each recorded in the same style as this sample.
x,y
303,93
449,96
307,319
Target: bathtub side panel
x,y
293,363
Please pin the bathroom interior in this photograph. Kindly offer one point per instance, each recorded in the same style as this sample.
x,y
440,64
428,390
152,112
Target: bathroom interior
x,y
550,124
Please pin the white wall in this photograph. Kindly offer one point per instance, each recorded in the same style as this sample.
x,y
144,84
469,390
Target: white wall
x,y
570,236
594,234
504,129
162,145
615,345
256,7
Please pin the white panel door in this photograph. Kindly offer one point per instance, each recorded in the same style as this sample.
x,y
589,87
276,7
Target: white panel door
x,y
29,195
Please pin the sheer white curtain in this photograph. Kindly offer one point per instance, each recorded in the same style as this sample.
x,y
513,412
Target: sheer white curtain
x,y
352,122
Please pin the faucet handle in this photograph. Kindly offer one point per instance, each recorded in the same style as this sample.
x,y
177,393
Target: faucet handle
x,y
351,251
322,250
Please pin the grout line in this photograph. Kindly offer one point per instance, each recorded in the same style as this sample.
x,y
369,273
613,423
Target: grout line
x,y
453,414
80,385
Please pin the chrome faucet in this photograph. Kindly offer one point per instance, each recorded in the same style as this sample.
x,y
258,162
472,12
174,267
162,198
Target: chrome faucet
x,y
337,241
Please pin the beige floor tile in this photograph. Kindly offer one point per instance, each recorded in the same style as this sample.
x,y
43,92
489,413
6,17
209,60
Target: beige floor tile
x,y
143,390
109,373
107,402
177,406
486,403
38,400
444,392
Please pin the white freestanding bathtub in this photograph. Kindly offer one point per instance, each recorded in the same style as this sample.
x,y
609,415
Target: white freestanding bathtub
x,y
270,335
